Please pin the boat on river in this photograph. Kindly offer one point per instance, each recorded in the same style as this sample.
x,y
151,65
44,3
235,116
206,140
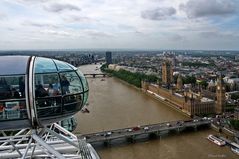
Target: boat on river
x,y
216,140
235,150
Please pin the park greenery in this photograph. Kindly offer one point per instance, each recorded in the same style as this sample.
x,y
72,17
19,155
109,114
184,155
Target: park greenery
x,y
133,78
186,79
203,83
189,80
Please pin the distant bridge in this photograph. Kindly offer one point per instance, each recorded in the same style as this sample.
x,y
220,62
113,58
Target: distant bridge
x,y
154,129
95,75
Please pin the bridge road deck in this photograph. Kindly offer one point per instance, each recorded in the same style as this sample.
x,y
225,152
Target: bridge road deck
x,y
107,136
94,75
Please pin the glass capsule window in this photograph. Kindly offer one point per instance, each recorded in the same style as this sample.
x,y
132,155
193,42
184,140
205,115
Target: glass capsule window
x,y
84,81
59,89
86,87
70,83
44,65
71,87
62,66
12,97
48,94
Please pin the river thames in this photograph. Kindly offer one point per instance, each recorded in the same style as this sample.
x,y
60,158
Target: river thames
x,y
114,104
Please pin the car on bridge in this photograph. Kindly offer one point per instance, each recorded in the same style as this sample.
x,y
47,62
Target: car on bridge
x,y
97,134
108,133
180,123
168,124
136,128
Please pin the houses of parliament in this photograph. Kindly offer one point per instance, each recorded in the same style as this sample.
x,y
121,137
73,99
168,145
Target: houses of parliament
x,y
190,100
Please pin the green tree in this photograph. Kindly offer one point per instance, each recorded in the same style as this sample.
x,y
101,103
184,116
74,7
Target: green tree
x,y
203,83
131,77
189,80
234,124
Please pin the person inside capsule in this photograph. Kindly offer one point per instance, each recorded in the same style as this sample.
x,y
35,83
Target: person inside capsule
x,y
65,84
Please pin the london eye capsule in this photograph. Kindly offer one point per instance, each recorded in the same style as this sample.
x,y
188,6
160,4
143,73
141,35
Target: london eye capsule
x,y
38,91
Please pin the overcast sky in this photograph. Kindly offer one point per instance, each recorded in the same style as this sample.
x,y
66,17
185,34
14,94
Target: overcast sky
x,y
133,24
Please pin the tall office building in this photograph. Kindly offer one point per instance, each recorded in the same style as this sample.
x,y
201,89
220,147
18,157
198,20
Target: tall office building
x,y
108,57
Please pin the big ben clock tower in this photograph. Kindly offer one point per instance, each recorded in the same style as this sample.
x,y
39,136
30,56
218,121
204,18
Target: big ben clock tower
x,y
167,72
220,104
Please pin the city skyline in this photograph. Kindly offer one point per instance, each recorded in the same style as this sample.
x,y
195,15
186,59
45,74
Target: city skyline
x,y
152,24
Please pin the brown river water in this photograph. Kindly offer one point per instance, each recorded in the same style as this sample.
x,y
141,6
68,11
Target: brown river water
x,y
114,104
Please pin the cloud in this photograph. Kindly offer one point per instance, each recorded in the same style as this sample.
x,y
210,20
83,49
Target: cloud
x,y
158,13
219,35
57,7
176,37
39,24
96,33
126,27
77,18
2,15
205,8
194,24
76,34
10,29
56,32
33,0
